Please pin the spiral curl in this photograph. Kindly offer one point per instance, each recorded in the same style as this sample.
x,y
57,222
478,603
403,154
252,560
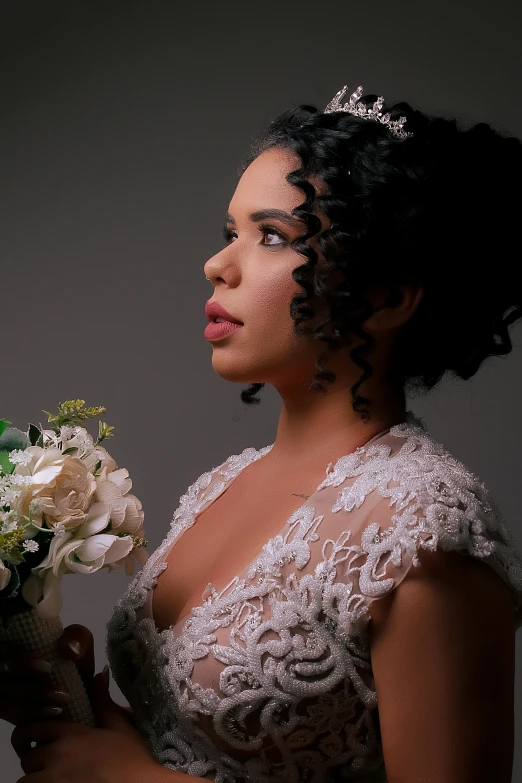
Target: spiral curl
x,y
439,208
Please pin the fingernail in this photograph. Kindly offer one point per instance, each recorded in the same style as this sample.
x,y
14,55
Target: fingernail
x,y
105,675
75,646
40,665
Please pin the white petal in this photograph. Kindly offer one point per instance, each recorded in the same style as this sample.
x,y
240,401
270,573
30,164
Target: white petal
x,y
46,474
121,478
83,568
63,553
129,565
32,589
5,576
89,459
140,554
118,512
52,555
109,547
133,515
52,601
97,520
94,547
50,456
108,492
120,548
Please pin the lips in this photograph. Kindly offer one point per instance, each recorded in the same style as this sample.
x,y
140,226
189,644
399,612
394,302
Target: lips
x,y
214,310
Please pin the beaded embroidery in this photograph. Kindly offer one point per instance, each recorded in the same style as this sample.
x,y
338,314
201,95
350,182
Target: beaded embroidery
x,y
286,645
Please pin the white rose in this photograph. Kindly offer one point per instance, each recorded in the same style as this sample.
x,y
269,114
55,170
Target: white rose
x,y
99,454
78,438
69,553
125,510
5,576
63,485
114,504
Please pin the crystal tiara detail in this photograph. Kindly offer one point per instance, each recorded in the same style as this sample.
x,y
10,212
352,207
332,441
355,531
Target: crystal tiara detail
x,y
360,110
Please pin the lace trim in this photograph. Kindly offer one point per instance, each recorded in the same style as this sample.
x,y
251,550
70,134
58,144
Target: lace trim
x,y
438,503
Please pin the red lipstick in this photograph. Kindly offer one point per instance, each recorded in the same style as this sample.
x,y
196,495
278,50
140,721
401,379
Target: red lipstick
x,y
214,310
226,324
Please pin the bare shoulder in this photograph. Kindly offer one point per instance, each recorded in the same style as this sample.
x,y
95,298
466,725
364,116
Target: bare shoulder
x,y
443,658
449,574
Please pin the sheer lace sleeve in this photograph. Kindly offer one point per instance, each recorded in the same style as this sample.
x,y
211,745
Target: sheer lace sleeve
x,y
269,680
421,497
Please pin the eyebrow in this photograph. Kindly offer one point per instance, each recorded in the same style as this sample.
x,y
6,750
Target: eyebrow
x,y
269,214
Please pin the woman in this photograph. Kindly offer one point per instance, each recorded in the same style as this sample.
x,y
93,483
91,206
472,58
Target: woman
x,y
369,637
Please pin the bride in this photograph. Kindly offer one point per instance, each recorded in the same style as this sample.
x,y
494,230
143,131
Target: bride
x,y
341,604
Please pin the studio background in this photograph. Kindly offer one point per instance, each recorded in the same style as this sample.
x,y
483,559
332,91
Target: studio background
x,y
122,127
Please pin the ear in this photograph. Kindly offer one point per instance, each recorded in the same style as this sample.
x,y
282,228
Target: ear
x,y
394,306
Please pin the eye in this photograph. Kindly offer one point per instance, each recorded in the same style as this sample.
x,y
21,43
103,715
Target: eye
x,y
264,229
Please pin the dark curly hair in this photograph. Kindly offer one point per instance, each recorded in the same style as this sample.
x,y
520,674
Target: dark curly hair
x,y
440,207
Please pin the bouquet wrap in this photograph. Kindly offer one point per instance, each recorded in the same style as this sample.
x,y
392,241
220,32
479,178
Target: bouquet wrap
x,y
65,508
25,629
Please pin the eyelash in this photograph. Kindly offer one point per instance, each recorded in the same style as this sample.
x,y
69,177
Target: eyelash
x,y
264,228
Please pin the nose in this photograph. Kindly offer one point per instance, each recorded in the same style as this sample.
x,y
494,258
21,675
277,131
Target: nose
x,y
212,266
219,266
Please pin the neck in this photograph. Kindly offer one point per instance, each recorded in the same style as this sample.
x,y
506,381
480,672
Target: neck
x,y
316,427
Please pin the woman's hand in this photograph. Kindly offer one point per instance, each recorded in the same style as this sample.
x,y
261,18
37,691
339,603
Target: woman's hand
x,y
26,693
111,752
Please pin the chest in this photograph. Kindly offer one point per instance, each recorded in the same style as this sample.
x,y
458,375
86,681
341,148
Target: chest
x,y
226,536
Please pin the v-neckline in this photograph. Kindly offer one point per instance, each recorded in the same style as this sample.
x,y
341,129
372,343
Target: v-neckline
x,y
193,517
255,455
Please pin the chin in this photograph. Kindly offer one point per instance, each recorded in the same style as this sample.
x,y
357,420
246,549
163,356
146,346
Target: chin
x,y
231,370
251,367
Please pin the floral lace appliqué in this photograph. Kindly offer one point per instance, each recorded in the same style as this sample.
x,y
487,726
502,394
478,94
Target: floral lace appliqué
x,y
291,697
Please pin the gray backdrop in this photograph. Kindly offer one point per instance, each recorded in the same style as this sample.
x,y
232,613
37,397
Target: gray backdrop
x,y
122,126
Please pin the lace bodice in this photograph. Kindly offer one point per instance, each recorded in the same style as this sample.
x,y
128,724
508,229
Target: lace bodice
x,y
270,679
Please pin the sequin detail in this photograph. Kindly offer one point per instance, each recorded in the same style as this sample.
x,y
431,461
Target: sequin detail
x,y
269,679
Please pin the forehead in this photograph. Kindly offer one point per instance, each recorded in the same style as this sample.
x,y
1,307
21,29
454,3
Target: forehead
x,y
264,182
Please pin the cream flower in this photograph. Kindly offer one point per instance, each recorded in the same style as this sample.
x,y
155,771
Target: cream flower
x,y
99,454
125,510
63,485
5,576
94,517
78,438
88,548
69,553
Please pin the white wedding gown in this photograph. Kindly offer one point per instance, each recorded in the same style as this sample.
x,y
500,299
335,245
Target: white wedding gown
x,y
271,679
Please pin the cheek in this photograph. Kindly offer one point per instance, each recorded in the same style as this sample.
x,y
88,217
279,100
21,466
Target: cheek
x,y
273,326
272,294
272,329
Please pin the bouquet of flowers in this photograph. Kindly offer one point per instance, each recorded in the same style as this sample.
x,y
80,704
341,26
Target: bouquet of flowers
x,y
65,508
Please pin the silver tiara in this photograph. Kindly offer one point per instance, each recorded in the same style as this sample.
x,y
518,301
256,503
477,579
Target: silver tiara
x,y
354,106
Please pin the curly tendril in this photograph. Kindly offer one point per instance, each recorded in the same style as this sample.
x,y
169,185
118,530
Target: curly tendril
x,y
440,208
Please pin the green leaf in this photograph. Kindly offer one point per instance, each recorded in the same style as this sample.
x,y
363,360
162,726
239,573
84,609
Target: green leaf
x,y
13,438
34,435
7,467
3,425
